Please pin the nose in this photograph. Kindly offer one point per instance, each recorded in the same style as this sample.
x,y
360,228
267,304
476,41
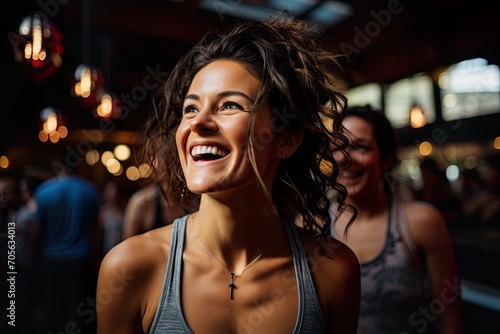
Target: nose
x,y
203,121
344,159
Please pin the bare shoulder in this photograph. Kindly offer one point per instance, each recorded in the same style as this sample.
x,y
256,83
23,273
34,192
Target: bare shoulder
x,y
134,261
143,196
336,274
137,251
333,263
426,222
129,280
422,215
421,211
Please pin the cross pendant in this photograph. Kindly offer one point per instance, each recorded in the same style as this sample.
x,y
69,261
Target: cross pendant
x,y
231,286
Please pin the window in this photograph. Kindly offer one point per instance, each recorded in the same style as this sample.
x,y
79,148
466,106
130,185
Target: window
x,y
401,96
469,88
370,93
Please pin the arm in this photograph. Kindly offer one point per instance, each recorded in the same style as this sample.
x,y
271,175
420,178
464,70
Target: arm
x,y
118,302
345,294
132,220
432,239
348,296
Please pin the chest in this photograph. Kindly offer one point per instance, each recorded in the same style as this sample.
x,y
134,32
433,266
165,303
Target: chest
x,y
247,303
367,238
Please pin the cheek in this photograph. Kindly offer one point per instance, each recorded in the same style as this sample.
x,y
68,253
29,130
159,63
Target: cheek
x,y
358,158
181,137
370,161
235,129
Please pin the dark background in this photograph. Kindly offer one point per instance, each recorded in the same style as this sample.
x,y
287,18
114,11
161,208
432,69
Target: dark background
x,y
126,38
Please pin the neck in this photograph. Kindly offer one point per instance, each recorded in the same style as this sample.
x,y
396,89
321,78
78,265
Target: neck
x,y
237,232
369,206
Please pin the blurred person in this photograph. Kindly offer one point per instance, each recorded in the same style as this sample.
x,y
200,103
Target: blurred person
x,y
26,218
437,191
26,253
471,184
151,206
148,209
484,208
67,237
111,215
10,201
403,246
240,256
10,198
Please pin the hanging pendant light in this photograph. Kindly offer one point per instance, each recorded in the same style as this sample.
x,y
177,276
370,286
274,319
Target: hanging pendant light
x,y
109,105
417,116
88,79
52,125
87,84
37,46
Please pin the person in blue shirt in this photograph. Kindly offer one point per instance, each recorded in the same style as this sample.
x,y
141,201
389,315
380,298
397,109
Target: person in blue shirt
x,y
67,217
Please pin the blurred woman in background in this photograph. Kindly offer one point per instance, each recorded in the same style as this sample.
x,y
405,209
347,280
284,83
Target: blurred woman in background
x,y
409,279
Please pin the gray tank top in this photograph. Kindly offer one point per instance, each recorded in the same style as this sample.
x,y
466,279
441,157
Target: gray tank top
x,y
170,319
392,288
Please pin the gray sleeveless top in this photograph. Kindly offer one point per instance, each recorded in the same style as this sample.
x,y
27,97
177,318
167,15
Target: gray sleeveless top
x,y
170,319
392,288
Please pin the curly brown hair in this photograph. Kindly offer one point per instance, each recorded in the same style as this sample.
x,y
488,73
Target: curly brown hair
x,y
304,87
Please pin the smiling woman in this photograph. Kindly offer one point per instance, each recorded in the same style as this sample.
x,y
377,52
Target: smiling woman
x,y
404,248
222,100
242,117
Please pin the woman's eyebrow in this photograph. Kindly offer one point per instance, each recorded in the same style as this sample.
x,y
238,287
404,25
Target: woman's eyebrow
x,y
357,141
220,95
192,97
234,92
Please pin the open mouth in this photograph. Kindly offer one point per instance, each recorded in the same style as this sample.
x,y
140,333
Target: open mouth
x,y
200,153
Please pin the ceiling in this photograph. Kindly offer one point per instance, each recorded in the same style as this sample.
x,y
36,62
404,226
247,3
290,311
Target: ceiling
x,y
135,43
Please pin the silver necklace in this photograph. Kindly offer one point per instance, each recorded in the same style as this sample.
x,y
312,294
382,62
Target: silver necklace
x,y
231,284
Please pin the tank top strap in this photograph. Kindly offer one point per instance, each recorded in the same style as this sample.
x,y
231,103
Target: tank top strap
x,y
403,228
168,317
309,310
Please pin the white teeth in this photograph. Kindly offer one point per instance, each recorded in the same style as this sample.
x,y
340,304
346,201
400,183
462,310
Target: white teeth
x,y
198,150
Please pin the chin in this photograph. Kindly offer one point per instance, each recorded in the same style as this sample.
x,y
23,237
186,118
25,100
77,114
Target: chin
x,y
203,186
353,187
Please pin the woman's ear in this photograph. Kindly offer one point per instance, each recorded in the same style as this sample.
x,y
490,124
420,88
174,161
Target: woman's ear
x,y
289,142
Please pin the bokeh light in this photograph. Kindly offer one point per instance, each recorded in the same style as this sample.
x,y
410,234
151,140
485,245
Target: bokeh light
x,y
417,117
425,148
37,46
105,156
452,173
52,125
87,85
122,152
496,143
144,170
113,165
133,173
4,162
92,157
108,105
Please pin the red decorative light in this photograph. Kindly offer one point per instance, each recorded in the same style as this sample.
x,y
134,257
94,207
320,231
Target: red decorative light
x,y
37,46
